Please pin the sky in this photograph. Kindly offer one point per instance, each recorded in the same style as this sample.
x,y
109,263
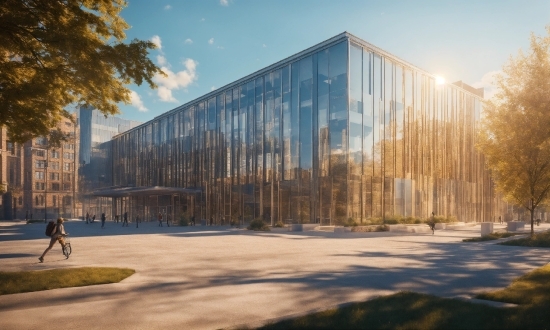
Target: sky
x,y
204,45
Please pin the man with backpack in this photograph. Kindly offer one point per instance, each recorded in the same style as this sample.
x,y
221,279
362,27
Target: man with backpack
x,y
56,232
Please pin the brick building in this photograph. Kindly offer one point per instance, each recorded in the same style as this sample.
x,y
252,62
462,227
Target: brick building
x,y
37,180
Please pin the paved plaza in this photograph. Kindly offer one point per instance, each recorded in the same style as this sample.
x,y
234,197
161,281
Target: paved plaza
x,y
219,277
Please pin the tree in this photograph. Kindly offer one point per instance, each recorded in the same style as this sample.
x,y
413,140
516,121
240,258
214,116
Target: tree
x,y
54,53
515,134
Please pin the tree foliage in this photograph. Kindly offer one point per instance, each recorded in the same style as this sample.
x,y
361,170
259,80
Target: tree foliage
x,y
515,135
54,53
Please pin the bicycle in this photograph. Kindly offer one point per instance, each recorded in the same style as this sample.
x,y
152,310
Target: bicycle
x,y
67,248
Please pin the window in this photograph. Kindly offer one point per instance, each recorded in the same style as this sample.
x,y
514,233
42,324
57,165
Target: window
x,y
66,176
39,175
54,176
66,186
66,166
55,154
68,146
54,165
20,200
41,141
54,200
39,186
68,155
11,147
39,153
55,187
40,164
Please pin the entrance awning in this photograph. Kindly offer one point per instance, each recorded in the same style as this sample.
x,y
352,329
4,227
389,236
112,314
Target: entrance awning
x,y
142,191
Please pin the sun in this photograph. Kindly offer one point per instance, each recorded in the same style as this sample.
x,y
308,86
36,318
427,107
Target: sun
x,y
439,80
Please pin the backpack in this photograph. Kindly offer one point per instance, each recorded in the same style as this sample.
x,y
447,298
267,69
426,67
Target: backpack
x,y
50,228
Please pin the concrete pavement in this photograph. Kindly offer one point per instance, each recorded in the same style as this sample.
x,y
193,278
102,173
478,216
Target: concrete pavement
x,y
218,277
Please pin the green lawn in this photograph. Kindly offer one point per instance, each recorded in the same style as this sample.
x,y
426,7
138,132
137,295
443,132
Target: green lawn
x,y
490,237
409,310
537,240
30,281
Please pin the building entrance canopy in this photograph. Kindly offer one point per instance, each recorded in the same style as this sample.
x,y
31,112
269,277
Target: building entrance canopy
x,y
142,191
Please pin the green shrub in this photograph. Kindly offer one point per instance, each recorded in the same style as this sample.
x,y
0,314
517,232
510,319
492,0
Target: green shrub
x,y
279,224
391,221
183,220
258,225
350,223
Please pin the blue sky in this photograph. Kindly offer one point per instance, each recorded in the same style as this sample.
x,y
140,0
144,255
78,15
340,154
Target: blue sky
x,y
206,44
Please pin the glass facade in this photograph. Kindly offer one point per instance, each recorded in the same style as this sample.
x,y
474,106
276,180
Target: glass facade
x,y
341,130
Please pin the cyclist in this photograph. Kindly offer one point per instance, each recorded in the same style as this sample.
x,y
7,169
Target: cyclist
x,y
57,235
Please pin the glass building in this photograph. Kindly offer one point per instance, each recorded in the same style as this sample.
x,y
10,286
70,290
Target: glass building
x,y
340,130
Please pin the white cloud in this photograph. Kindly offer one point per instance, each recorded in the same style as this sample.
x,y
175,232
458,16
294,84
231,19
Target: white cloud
x,y
488,83
211,41
156,40
221,47
264,46
167,7
161,60
175,80
188,41
135,100
213,88
224,2
202,19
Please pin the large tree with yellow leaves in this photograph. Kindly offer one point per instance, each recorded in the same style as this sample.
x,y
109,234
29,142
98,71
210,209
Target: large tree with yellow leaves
x,y
515,135
54,53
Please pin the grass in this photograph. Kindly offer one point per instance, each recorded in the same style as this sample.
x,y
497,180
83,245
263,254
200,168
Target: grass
x,y
409,310
537,240
30,281
490,237
530,289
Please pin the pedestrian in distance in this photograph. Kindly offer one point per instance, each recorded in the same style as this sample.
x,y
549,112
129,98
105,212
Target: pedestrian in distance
x,y
125,219
56,236
137,221
103,220
168,218
431,223
193,220
93,218
160,219
211,221
87,217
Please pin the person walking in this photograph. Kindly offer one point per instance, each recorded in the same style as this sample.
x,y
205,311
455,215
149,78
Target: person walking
x,y
168,218
211,221
57,236
87,217
137,221
160,219
103,220
125,219
93,218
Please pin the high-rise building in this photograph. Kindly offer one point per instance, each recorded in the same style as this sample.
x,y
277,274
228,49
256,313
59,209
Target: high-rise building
x,y
342,130
96,132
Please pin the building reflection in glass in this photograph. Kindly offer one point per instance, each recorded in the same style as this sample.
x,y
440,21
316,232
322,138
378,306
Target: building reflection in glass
x,y
341,130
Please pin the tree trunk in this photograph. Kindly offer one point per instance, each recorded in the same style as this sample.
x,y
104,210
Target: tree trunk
x,y
532,210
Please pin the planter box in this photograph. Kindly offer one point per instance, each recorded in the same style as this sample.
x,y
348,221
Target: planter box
x,y
422,228
342,229
515,225
304,226
486,228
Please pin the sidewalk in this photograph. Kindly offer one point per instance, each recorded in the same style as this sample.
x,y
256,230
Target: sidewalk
x,y
218,277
